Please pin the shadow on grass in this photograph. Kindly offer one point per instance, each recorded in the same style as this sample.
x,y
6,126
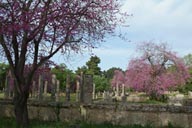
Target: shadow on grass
x,y
10,123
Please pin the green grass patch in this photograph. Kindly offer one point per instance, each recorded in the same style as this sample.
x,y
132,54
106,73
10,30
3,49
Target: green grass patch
x,y
1,95
10,123
154,102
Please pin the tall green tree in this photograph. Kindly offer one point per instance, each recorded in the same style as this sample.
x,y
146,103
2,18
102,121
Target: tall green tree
x,y
93,65
80,70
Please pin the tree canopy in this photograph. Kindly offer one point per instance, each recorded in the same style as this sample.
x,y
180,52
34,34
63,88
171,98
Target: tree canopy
x,y
157,70
92,65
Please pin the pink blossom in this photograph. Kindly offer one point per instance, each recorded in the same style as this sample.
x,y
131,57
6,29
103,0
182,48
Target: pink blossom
x,y
156,71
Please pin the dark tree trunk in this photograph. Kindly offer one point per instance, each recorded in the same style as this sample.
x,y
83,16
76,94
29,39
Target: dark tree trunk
x,y
21,110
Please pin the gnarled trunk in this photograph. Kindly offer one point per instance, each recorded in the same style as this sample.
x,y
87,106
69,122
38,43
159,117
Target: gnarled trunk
x,y
21,110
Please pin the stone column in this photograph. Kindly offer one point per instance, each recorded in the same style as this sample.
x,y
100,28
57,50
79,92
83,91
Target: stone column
x,y
81,87
96,96
68,88
53,86
123,90
104,95
57,91
33,92
117,90
45,89
40,88
93,91
77,90
6,90
87,89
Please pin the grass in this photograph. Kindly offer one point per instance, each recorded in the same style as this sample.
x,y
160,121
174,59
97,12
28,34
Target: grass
x,y
62,97
153,102
10,123
1,95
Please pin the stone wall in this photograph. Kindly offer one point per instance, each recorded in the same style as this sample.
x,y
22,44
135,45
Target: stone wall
x,y
116,113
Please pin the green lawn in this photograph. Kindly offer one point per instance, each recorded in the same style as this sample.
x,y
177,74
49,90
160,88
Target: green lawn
x,y
10,123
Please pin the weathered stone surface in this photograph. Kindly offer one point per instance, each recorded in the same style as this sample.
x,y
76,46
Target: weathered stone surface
x,y
87,89
33,112
190,95
190,120
95,115
176,100
47,114
69,114
115,113
177,119
6,111
188,102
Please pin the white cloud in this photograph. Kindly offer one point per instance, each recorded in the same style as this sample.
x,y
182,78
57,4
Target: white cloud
x,y
167,20
158,11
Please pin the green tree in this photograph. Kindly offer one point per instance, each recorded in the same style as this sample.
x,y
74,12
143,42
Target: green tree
x,y
80,70
3,71
62,72
110,72
93,67
101,83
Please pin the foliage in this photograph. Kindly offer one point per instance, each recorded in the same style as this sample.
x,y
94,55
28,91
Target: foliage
x,y
33,31
118,78
93,67
188,86
101,83
62,72
3,72
156,71
80,70
110,72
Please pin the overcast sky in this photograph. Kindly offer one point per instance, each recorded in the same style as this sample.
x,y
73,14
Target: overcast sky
x,y
157,20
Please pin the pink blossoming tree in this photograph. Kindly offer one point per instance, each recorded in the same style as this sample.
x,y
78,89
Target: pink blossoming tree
x,y
118,78
157,70
33,31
